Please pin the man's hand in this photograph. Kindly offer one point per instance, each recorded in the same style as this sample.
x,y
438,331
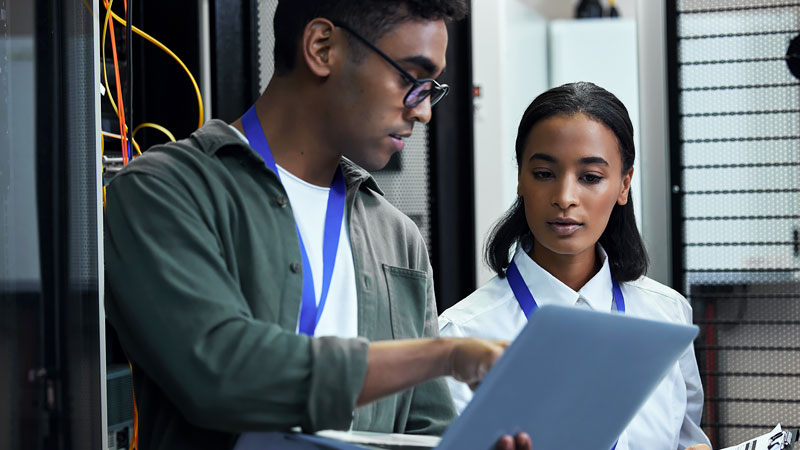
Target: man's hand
x,y
471,359
396,365
699,447
520,442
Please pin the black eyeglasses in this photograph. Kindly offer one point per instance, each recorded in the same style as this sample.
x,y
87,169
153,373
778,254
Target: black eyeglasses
x,y
420,88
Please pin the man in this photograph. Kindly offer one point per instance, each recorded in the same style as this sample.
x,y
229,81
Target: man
x,y
233,254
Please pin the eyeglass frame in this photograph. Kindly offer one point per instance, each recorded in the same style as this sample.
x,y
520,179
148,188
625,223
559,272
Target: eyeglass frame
x,y
436,86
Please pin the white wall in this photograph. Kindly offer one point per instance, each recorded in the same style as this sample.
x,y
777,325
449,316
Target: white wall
x,y
510,68
654,149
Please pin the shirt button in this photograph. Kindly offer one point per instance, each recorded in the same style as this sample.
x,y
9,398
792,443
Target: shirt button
x,y
294,267
282,201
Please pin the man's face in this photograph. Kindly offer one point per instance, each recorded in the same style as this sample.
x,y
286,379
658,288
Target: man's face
x,y
368,120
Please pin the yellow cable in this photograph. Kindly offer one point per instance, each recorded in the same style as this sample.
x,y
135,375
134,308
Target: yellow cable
x,y
108,89
153,125
157,44
170,53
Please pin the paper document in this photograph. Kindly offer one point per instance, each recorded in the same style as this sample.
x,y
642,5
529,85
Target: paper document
x,y
777,439
383,439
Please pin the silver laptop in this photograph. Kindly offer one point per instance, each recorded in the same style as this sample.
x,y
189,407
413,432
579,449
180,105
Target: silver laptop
x,y
573,378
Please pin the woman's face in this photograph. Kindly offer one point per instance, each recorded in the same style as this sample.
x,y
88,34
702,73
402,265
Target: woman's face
x,y
570,177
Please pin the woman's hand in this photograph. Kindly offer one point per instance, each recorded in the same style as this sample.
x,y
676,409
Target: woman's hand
x,y
519,442
699,447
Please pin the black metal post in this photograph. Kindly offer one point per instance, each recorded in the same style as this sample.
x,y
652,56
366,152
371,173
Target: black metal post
x,y
451,175
234,56
676,165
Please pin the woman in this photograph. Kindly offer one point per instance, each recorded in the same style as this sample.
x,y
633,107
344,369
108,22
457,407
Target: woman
x,y
575,242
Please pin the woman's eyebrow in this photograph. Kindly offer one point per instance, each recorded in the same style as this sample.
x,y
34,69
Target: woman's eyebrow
x,y
543,157
584,161
593,160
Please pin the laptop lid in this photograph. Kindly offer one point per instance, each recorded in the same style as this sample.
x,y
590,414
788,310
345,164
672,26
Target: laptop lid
x,y
573,378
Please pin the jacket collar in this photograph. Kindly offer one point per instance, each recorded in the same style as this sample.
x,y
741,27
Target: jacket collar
x,y
216,134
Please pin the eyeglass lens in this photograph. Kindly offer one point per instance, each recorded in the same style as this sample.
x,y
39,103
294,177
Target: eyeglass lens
x,y
416,95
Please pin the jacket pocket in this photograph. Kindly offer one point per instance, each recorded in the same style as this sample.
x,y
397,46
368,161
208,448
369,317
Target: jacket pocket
x,y
407,299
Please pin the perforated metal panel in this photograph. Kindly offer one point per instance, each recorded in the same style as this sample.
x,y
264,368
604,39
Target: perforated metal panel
x,y
266,41
409,188
735,113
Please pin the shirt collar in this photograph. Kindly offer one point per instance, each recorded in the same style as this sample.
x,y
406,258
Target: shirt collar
x,y
599,290
547,289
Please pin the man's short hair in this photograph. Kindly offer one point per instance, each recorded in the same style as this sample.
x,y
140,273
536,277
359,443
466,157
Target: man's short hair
x,y
370,18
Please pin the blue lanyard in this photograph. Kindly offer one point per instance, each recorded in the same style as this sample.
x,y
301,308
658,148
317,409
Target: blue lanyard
x,y
310,313
528,303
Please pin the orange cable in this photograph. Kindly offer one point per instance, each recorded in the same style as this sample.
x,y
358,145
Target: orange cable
x,y
121,110
128,58
134,444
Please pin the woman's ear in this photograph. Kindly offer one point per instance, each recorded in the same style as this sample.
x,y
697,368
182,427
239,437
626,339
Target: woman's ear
x,y
317,46
625,188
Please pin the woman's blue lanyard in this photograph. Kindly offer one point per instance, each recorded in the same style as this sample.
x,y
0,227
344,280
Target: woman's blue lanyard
x,y
528,303
310,313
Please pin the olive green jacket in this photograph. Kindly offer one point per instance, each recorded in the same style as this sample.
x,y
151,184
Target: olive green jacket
x,y
204,279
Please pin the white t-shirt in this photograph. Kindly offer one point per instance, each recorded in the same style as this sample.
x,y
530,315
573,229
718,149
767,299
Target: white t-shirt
x,y
309,203
669,419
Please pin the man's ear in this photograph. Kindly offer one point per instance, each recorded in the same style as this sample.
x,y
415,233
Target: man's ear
x,y
317,45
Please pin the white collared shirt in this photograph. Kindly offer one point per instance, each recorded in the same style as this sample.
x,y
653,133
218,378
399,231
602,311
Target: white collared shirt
x,y
669,419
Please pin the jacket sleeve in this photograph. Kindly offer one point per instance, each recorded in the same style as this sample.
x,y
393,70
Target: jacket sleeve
x,y
432,407
185,323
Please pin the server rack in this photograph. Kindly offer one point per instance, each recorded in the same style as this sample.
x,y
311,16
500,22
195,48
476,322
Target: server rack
x,y
52,358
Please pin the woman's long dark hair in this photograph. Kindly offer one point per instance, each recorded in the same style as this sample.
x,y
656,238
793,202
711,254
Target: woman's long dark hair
x,y
621,239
